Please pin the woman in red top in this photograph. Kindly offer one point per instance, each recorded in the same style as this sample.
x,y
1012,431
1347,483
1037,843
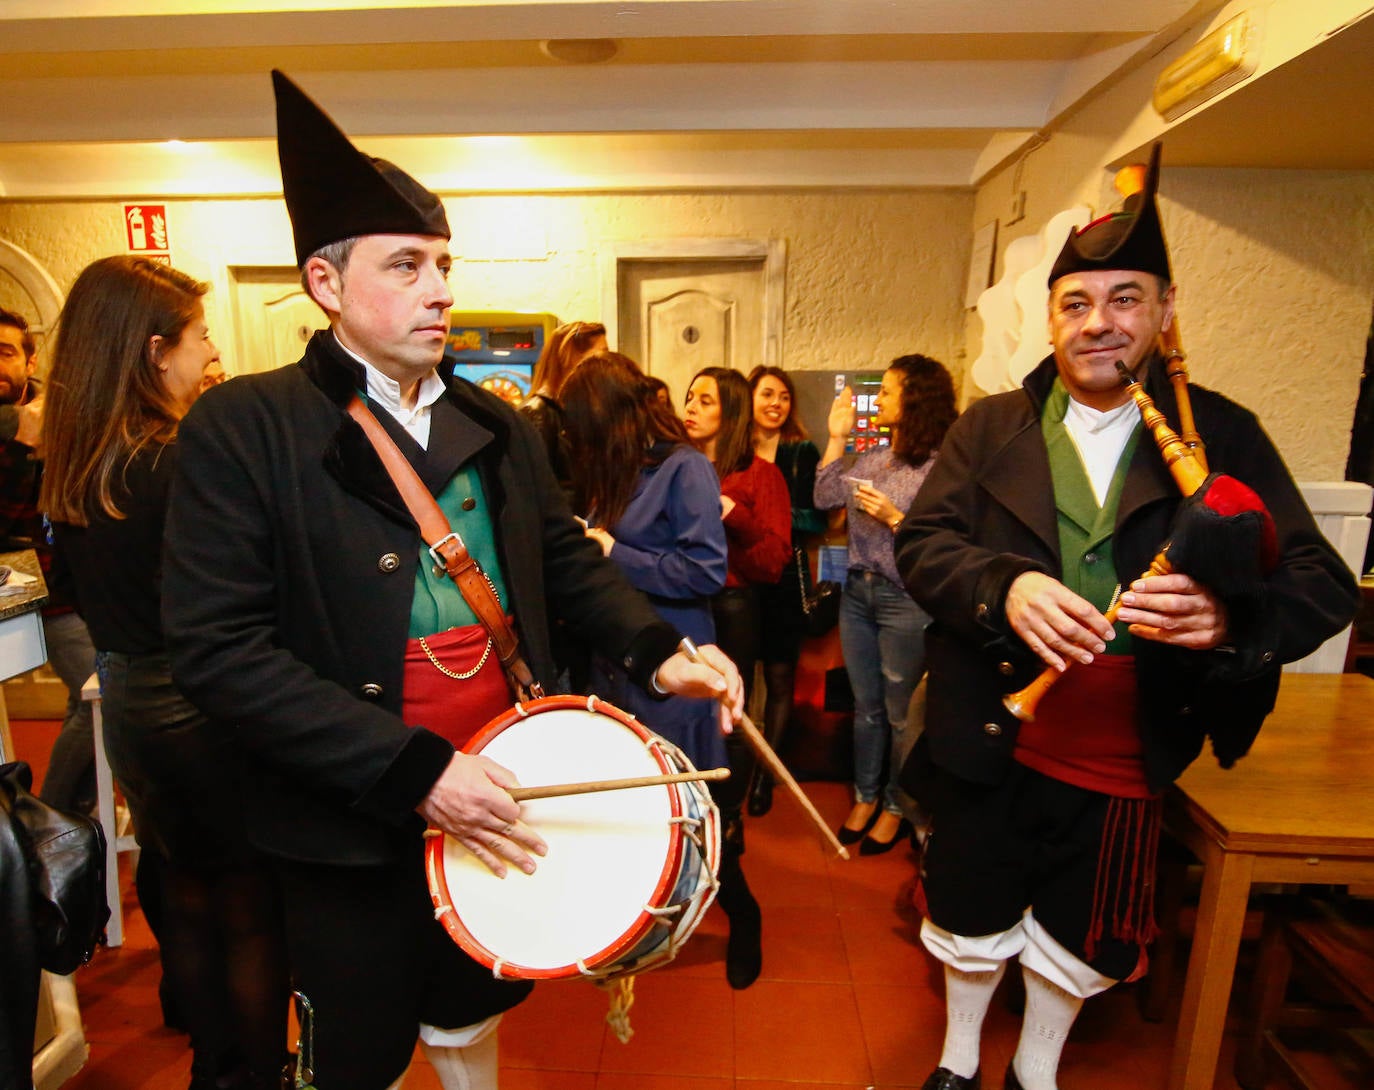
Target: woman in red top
x,y
755,506
757,511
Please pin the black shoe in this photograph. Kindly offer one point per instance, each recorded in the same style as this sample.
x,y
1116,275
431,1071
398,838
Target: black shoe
x,y
761,795
879,847
1011,1082
744,950
853,836
942,1078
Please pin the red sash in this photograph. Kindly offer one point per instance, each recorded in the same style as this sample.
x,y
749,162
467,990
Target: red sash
x,y
1086,733
452,707
1085,730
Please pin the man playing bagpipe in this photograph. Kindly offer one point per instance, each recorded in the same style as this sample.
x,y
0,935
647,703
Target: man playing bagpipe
x,y
1045,504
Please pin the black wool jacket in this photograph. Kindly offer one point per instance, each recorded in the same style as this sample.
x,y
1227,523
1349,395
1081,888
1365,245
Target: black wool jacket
x,y
986,514
289,572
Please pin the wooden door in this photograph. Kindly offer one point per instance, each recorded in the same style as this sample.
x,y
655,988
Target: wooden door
x,y
678,316
274,316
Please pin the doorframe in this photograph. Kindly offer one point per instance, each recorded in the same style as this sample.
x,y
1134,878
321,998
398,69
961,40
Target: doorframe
x,y
772,251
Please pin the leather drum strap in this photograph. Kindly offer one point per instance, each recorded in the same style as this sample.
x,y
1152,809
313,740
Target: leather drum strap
x,y
448,549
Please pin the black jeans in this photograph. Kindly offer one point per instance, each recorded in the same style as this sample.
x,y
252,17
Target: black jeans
x,y
736,613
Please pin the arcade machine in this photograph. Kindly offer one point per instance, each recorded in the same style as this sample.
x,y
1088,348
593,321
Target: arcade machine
x,y
497,351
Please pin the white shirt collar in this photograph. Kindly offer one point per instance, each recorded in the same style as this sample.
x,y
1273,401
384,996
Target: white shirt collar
x,y
385,392
1088,419
1100,438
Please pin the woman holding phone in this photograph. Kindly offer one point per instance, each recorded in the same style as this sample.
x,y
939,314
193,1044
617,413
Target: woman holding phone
x,y
882,631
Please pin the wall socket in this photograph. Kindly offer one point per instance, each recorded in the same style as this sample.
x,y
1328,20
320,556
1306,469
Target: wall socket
x,y
1016,211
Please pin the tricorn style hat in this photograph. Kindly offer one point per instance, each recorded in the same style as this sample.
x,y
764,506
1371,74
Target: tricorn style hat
x,y
333,191
1130,239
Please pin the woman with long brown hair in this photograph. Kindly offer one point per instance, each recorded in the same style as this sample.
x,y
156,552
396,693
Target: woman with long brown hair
x,y
882,631
567,346
781,438
718,416
653,504
131,350
650,502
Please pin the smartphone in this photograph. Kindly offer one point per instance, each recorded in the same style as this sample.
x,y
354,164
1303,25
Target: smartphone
x,y
839,385
859,482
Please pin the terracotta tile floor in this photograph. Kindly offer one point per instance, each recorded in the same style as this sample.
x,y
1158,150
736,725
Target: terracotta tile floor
x,y
848,998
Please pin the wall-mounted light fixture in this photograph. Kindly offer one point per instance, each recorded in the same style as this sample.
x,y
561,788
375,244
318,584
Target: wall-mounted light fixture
x,y
1221,60
579,50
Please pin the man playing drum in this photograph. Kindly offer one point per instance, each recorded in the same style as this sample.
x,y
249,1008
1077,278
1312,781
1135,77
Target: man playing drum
x,y
1042,501
306,619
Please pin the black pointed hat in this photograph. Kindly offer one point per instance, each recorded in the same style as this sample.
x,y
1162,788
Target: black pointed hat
x,y
333,191
1130,239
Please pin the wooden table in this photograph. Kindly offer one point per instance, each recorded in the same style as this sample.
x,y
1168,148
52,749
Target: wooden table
x,y
1299,808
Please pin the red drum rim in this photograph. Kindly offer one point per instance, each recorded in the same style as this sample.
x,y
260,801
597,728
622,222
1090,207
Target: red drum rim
x,y
447,913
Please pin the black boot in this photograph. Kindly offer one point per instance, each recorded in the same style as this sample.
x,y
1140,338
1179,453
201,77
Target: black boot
x,y
761,794
744,951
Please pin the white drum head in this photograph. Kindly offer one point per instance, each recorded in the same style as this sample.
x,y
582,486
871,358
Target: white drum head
x,y
611,854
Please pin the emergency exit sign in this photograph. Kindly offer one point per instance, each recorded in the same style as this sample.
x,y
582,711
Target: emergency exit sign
x,y
146,228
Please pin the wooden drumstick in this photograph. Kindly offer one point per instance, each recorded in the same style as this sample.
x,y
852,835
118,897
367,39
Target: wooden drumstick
x,y
771,760
587,787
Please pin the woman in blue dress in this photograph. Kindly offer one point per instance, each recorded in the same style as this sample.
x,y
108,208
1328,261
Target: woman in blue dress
x,y
653,504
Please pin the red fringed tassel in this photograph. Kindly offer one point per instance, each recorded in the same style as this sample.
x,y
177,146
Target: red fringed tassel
x,y
1123,888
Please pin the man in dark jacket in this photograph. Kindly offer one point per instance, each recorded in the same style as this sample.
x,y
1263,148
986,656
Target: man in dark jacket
x,y
1041,504
70,780
305,617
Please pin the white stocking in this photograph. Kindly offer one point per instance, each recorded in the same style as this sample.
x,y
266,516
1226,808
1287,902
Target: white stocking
x,y
1050,1013
469,1067
967,996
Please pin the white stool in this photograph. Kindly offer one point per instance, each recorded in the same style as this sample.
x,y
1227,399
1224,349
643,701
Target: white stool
x,y
105,808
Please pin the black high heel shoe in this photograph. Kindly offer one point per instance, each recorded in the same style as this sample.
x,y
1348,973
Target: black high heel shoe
x,y
847,836
879,847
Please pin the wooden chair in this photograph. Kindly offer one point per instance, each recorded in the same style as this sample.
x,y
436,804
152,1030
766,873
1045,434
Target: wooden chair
x,y
1330,946
105,808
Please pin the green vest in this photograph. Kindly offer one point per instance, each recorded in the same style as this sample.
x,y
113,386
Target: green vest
x,y
1085,529
438,604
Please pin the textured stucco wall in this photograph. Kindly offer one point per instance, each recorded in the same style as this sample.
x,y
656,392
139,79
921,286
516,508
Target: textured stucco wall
x,y
1276,292
870,275
1275,274
1275,268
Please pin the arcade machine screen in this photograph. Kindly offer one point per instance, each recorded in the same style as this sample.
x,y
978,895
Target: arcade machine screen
x,y
499,358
